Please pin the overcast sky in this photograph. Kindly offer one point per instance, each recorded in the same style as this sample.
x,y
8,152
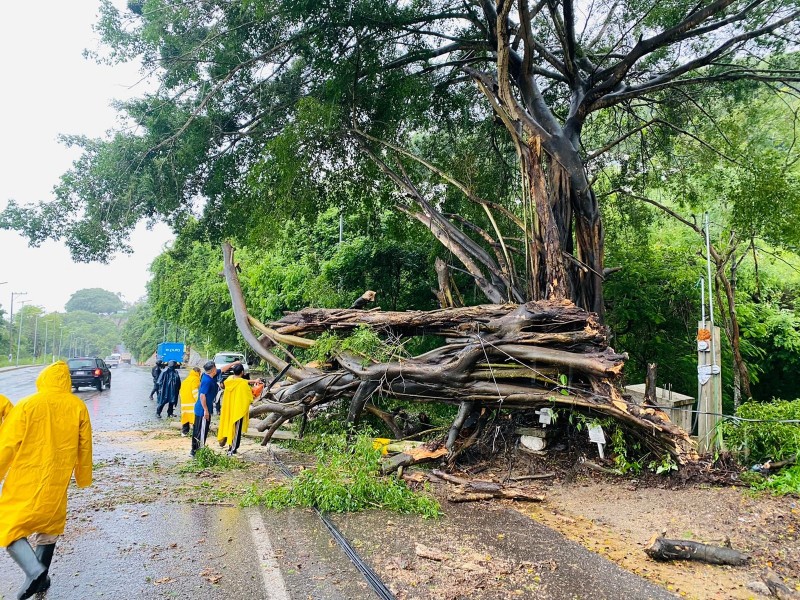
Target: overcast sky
x,y
49,89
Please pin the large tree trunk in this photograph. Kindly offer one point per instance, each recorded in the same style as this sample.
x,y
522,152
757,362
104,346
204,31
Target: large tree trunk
x,y
494,357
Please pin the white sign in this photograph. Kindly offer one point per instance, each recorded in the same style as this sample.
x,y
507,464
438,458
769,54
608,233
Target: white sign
x,y
597,436
545,416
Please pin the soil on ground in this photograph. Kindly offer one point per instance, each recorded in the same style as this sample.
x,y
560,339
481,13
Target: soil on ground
x,y
612,516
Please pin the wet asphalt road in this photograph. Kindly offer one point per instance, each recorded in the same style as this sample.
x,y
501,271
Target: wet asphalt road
x,y
167,549
156,546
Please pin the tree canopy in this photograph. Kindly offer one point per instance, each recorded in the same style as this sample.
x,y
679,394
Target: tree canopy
x,y
95,300
267,110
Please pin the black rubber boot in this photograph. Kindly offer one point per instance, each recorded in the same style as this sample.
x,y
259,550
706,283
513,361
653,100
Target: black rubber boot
x,y
44,552
35,572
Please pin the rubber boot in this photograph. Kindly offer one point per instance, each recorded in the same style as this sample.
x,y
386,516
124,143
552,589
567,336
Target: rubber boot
x,y
44,552
26,559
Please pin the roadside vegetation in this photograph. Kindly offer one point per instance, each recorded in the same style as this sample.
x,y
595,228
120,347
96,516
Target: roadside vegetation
x,y
207,459
345,479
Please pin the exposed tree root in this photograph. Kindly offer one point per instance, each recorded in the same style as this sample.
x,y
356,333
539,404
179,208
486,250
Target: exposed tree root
x,y
493,357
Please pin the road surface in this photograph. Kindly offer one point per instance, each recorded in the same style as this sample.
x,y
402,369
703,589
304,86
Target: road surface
x,y
144,530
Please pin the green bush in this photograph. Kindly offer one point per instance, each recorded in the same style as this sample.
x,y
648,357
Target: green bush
x,y
783,483
767,440
206,458
346,479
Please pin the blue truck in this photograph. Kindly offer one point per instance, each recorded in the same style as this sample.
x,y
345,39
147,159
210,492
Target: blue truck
x,y
168,351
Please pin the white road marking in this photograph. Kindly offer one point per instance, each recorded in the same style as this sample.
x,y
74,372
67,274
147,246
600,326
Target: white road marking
x,y
274,585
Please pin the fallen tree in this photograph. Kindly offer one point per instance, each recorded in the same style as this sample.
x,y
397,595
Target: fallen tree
x,y
493,357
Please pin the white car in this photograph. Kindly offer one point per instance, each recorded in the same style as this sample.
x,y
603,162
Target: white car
x,y
112,361
225,358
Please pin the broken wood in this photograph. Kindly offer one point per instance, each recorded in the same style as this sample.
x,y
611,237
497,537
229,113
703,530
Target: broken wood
x,y
412,456
534,476
661,548
494,357
776,586
473,490
430,553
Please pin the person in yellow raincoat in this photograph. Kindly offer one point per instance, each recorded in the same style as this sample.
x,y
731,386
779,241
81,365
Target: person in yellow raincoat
x,y
188,394
235,415
44,439
5,408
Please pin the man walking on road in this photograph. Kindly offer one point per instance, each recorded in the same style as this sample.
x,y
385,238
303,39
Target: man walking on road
x,y
155,372
209,386
46,437
169,388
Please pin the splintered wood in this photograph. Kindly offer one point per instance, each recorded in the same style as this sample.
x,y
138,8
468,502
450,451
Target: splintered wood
x,y
493,357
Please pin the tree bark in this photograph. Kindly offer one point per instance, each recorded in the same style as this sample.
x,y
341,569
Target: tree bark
x,y
663,549
549,339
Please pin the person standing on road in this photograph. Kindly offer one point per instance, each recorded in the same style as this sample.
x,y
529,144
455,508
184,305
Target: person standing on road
x,y
5,408
209,386
189,392
46,437
155,372
235,410
169,388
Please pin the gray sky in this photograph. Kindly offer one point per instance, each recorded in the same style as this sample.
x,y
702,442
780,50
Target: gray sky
x,y
48,89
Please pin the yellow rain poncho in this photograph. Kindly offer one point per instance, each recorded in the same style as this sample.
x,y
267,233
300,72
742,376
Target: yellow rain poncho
x,y
44,439
235,405
5,408
188,395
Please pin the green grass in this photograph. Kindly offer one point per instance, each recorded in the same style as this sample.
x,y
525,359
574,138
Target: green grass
x,y
346,479
207,459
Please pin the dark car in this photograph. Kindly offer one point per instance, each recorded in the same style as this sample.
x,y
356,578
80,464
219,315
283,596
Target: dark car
x,y
89,371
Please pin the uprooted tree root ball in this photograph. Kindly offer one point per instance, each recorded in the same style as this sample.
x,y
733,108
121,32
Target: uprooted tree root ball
x,y
497,357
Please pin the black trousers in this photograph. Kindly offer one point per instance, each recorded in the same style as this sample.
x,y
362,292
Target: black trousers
x,y
237,436
199,433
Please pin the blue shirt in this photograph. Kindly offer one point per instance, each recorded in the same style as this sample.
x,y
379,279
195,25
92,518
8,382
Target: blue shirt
x,y
209,386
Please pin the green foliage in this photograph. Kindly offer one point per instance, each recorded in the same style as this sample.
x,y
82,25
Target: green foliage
x,y
206,459
95,300
768,440
346,479
783,483
363,341
142,331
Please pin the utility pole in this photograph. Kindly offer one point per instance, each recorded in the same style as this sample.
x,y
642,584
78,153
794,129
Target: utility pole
x,y
35,336
11,322
60,339
44,350
19,336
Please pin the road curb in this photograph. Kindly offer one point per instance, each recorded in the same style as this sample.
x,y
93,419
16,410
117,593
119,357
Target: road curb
x,y
15,368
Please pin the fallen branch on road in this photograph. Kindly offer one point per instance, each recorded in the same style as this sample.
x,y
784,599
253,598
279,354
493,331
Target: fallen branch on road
x,y
661,548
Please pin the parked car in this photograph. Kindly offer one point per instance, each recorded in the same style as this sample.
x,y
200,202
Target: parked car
x,y
89,371
112,361
225,358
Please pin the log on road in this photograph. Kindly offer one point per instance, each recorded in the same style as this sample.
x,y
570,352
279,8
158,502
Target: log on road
x,y
661,548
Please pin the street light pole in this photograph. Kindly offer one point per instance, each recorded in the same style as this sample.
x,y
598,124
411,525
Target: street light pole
x,y
44,350
19,336
35,336
60,339
11,322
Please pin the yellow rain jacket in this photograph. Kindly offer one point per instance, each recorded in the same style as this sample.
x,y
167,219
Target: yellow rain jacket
x,y
235,405
44,439
188,394
5,408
